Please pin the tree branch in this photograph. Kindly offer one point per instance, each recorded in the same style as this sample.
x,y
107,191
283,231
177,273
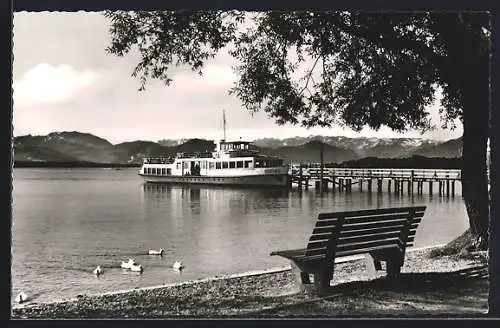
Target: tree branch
x,y
309,76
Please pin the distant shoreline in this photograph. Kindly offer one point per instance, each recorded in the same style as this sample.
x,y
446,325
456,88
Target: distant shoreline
x,y
415,162
79,164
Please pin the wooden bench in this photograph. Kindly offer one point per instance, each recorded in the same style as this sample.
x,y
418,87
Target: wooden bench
x,y
382,233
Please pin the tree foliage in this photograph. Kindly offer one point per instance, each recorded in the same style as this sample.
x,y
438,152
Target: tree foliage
x,y
365,68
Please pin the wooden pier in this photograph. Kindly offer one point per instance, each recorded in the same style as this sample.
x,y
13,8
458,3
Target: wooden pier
x,y
397,181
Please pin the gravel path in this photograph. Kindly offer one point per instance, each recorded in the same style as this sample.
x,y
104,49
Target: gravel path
x,y
275,294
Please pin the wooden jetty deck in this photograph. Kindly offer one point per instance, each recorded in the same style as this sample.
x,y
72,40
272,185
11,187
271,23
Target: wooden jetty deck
x,y
396,180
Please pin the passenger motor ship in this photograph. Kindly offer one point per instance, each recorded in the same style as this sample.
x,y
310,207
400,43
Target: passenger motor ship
x,y
231,163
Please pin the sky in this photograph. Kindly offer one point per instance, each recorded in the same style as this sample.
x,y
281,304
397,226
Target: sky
x,y
63,80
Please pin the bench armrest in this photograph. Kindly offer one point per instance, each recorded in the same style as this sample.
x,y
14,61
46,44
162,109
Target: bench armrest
x,y
290,253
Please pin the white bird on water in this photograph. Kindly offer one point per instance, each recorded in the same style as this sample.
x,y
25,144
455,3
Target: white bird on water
x,y
178,265
136,267
21,297
98,271
156,252
128,265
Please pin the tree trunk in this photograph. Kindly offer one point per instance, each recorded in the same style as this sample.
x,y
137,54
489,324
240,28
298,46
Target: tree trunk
x,y
474,176
475,137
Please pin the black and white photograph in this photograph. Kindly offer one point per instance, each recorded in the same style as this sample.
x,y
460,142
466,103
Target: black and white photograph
x,y
249,164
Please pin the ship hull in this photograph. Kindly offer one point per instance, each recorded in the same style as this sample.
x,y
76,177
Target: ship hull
x,y
278,180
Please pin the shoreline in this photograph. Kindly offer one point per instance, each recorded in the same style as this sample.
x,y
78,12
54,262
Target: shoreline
x,y
202,280
272,292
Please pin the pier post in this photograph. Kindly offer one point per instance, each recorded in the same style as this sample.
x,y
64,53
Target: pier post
x,y
447,188
300,176
317,184
410,183
379,185
306,186
360,185
321,168
396,186
389,186
341,184
453,188
430,186
402,187
333,183
370,185
440,187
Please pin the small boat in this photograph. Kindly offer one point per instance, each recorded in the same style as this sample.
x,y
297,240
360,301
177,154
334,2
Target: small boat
x,y
156,252
98,271
21,297
178,265
136,267
129,264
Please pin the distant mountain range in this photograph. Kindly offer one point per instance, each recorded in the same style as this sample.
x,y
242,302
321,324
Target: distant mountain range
x,y
77,146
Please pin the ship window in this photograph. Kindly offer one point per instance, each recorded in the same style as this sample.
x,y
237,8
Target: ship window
x,y
178,166
163,171
225,165
169,171
239,164
211,165
186,165
153,170
217,165
248,164
232,165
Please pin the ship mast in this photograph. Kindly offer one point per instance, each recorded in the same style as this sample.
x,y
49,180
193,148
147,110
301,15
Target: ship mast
x,y
224,122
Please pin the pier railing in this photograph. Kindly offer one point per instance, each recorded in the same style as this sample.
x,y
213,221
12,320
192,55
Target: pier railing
x,y
415,174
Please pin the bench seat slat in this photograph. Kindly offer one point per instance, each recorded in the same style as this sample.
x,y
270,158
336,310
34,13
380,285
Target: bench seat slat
x,y
383,217
379,224
348,225
316,251
359,232
356,226
355,245
367,237
325,216
366,219
365,250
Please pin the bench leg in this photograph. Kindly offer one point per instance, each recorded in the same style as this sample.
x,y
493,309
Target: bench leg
x,y
393,267
301,277
322,282
372,264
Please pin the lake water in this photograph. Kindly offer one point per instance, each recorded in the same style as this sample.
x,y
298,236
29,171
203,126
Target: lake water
x,y
67,221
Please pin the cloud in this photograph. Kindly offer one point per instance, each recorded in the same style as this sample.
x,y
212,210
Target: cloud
x,y
46,84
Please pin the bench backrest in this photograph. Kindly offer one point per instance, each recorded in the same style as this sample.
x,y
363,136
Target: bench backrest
x,y
357,232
